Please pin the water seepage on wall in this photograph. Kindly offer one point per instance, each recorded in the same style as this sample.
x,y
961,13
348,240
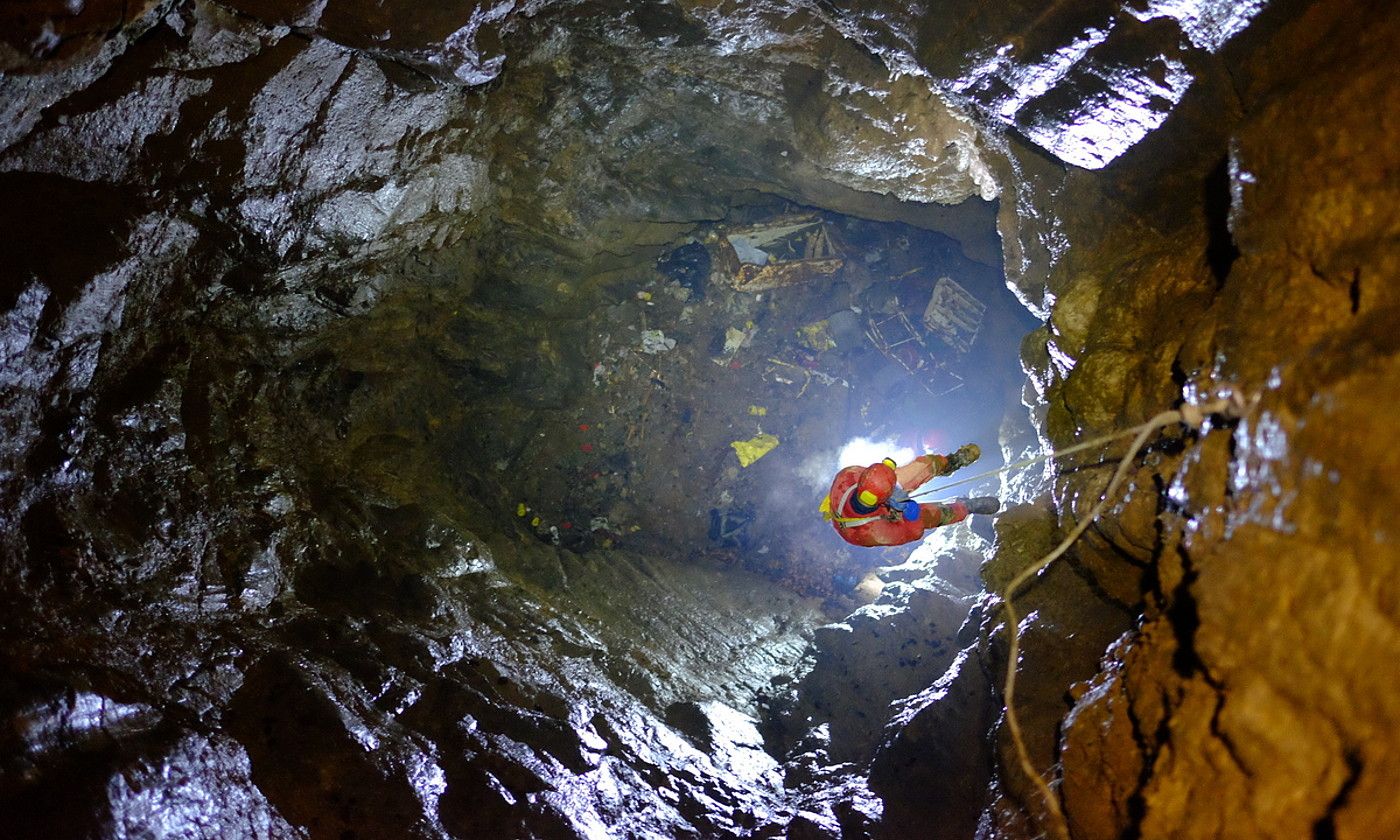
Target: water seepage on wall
x,y
292,292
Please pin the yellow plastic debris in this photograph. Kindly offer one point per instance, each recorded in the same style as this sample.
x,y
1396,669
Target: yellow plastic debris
x,y
816,336
643,295
520,509
754,448
535,522
758,411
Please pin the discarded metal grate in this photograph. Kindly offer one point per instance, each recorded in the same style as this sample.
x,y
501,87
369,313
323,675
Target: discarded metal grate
x,y
902,342
954,315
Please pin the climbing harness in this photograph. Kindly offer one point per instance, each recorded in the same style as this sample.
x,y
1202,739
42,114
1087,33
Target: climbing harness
x,y
844,522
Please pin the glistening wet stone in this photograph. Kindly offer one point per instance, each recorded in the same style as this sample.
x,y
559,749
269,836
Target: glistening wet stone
x,y
339,494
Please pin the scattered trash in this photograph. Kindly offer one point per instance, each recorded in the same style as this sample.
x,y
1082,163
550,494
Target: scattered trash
x,y
644,296
758,411
600,523
816,336
585,447
535,523
754,448
807,375
655,341
845,328
735,338
600,374
520,509
688,265
727,526
903,343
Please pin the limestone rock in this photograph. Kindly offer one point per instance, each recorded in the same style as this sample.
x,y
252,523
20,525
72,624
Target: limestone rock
x,y
934,768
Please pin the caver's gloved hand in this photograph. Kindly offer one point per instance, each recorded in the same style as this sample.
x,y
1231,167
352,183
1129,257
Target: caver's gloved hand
x,y
900,502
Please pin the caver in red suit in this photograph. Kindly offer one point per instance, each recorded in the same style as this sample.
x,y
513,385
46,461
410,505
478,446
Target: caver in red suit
x,y
869,506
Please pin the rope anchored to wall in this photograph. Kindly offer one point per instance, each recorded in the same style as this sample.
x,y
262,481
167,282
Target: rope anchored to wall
x,y
1026,462
1232,407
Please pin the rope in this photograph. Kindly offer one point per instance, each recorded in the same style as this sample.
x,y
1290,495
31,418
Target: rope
x,y
1058,827
1026,462
1234,406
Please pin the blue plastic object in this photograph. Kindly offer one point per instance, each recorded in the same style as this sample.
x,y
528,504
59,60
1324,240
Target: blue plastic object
x,y
911,510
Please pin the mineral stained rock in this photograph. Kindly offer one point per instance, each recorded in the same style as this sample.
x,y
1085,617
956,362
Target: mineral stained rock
x,y
1247,703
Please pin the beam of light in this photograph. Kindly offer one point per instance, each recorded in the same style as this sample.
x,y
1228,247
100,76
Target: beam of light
x,y
862,452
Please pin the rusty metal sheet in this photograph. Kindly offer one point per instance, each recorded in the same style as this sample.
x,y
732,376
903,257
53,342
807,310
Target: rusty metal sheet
x,y
783,251
756,278
954,315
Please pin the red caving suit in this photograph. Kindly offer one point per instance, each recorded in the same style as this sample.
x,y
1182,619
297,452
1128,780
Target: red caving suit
x,y
885,525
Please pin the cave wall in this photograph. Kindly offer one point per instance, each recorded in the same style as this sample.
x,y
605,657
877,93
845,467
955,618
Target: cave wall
x,y
1246,700
227,527
245,592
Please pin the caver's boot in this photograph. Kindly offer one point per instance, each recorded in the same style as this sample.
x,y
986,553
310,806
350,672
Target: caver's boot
x,y
982,504
964,456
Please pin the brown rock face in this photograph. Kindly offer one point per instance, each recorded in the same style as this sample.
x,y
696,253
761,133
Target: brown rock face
x,y
1251,702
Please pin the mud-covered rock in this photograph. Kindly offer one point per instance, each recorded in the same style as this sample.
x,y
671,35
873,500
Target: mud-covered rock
x,y
1223,711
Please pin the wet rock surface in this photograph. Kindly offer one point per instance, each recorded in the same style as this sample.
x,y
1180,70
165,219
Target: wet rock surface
x,y
1231,708
324,383
375,409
